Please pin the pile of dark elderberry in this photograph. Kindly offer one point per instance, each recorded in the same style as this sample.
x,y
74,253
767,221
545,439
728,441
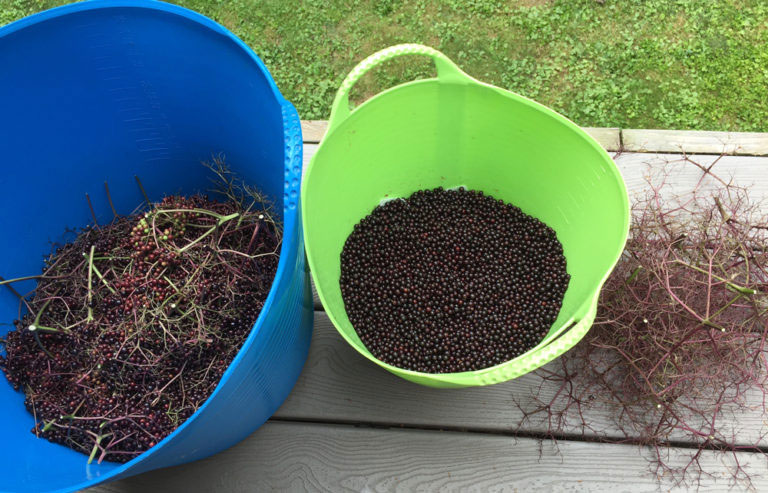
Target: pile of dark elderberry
x,y
132,325
451,280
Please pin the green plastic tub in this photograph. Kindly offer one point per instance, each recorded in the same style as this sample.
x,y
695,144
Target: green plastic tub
x,y
456,131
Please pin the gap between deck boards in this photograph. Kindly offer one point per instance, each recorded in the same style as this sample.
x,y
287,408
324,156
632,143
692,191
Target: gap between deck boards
x,y
338,385
310,457
638,140
532,435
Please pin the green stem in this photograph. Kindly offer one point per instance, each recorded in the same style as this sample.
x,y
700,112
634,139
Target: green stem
x,y
709,323
45,328
634,274
36,323
40,312
721,209
95,448
222,220
104,280
171,284
34,327
733,286
19,279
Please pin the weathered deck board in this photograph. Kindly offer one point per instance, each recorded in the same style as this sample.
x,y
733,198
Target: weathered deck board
x,y
609,138
309,457
745,170
747,143
340,385
637,140
313,132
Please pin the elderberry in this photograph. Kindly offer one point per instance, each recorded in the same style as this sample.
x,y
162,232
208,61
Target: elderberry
x,y
451,280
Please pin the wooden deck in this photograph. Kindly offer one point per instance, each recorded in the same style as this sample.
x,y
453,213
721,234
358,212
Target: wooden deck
x,y
351,426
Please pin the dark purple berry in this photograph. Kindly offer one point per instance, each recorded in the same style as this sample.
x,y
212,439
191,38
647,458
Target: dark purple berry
x,y
451,281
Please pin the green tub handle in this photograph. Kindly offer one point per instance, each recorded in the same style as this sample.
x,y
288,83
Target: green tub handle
x,y
447,71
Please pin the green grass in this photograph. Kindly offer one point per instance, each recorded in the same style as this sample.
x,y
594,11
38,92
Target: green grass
x,y
685,64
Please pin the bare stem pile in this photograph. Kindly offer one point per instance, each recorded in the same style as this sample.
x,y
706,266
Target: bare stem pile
x,y
678,351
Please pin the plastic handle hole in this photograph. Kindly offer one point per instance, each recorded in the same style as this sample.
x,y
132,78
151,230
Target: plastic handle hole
x,y
393,72
560,333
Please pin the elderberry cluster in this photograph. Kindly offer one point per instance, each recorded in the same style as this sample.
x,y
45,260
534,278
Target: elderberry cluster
x,y
134,323
451,280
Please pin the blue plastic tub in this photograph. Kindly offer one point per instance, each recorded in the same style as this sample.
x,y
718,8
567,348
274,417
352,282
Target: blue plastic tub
x,y
102,90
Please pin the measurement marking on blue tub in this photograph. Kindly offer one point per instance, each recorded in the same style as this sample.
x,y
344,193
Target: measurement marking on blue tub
x,y
136,101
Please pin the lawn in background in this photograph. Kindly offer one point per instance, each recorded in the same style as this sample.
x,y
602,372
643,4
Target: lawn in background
x,y
683,64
